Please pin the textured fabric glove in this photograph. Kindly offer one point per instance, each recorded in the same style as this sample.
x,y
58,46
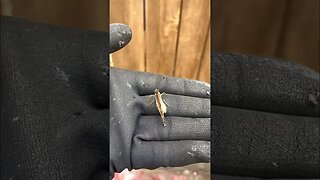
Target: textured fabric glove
x,y
54,102
138,138
120,36
265,118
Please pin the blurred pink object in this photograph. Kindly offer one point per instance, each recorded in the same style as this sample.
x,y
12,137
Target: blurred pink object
x,y
190,172
141,175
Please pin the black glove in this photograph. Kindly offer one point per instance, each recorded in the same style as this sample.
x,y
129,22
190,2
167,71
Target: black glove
x,y
120,36
225,177
54,102
138,138
265,118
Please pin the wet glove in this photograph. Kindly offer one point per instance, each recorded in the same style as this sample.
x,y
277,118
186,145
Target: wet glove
x,y
120,36
138,138
265,118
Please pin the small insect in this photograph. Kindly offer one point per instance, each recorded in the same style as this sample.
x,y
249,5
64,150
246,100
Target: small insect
x,y
161,105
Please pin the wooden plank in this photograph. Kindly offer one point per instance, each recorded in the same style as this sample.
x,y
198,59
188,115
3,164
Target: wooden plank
x,y
162,21
248,26
204,72
291,31
299,41
195,19
132,56
76,13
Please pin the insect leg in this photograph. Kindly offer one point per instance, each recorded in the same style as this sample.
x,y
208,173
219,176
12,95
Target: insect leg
x,y
164,122
164,100
151,96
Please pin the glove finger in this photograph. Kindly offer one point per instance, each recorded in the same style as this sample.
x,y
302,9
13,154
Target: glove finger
x,y
182,106
263,144
153,154
147,83
150,128
120,36
264,84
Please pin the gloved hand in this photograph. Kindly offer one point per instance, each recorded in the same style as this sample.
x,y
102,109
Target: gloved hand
x,y
138,138
265,118
54,102
119,36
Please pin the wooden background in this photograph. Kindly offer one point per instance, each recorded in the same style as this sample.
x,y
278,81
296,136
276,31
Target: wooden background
x,y
287,29
170,37
83,14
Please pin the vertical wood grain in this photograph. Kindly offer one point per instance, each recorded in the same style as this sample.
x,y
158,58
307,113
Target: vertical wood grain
x,y
195,19
204,71
76,13
248,23
131,13
162,22
174,40
287,29
299,41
